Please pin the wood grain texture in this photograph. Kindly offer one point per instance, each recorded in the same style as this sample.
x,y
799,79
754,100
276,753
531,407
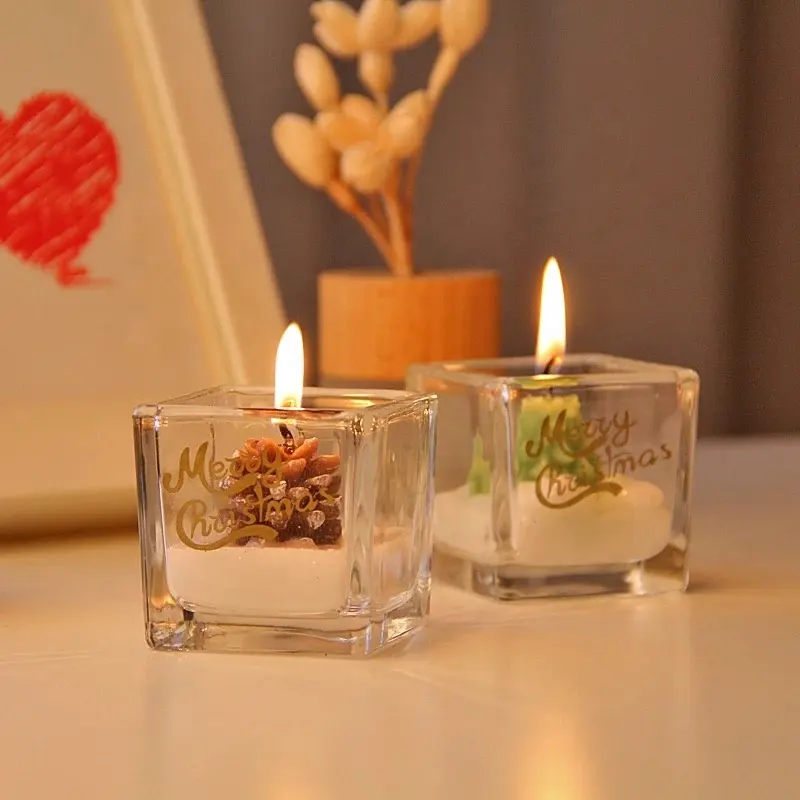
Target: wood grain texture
x,y
372,325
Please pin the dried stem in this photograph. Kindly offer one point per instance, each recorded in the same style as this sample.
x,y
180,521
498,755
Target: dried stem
x,y
398,235
346,200
376,210
387,215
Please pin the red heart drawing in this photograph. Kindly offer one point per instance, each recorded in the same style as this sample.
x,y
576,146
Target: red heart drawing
x,y
59,168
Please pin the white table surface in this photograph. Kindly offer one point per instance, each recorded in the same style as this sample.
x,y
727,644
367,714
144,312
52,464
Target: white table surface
x,y
690,696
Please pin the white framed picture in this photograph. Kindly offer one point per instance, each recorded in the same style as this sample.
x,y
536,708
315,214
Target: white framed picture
x,y
132,261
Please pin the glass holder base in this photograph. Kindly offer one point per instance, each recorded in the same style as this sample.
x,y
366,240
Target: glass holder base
x,y
342,635
521,582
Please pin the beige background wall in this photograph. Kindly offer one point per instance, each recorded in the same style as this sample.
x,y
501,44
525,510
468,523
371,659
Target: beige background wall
x,y
653,147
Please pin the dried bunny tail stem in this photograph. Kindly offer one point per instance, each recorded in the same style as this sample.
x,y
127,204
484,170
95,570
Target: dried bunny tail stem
x,y
303,149
362,109
316,77
376,72
442,73
463,23
377,213
366,167
397,217
378,24
405,126
336,27
345,199
419,19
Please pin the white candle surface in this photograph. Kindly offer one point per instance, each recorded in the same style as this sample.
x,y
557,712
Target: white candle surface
x,y
278,580
601,529
282,581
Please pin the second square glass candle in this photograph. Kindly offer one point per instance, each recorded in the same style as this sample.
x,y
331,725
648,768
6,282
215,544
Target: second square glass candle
x,y
562,474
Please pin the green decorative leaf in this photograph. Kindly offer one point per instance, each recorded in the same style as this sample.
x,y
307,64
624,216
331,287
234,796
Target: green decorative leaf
x,y
530,424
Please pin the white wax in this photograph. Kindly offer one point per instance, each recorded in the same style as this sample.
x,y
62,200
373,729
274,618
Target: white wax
x,y
601,529
259,580
284,581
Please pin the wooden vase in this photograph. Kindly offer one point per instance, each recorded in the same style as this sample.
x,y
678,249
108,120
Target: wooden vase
x,y
373,325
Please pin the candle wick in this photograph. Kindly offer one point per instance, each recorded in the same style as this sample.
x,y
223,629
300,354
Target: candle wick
x,y
550,365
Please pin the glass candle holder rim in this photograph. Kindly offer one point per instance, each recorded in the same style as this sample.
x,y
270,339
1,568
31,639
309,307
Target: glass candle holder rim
x,y
611,371
379,403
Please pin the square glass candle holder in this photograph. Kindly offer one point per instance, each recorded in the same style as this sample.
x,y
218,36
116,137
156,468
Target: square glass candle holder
x,y
564,484
293,530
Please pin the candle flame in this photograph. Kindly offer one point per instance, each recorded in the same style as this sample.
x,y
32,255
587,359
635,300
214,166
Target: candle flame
x,y
289,366
552,339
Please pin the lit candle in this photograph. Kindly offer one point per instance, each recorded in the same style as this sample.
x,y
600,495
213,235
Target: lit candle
x,y
285,518
289,558
290,368
552,338
569,504
621,520
551,344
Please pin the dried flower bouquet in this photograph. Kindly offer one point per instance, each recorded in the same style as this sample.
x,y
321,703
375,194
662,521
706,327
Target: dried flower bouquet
x,y
362,152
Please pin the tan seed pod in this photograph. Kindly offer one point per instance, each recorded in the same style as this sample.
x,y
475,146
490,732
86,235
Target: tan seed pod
x,y
361,108
336,27
366,167
406,124
304,150
442,73
414,104
406,135
376,71
332,43
378,24
418,20
316,77
463,23
342,131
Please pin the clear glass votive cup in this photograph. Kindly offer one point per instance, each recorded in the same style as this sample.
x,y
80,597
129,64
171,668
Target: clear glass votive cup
x,y
285,530
562,484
